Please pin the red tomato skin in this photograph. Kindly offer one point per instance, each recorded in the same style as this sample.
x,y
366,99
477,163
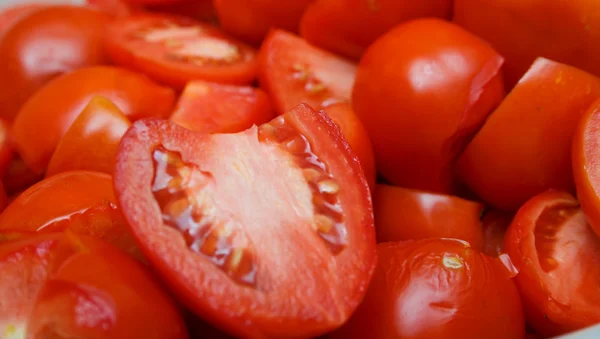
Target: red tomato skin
x,y
530,136
332,24
413,295
252,20
12,15
403,214
134,94
553,304
419,119
43,45
216,108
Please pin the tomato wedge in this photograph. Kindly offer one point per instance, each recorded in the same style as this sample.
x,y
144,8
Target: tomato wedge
x,y
558,257
274,222
294,72
174,50
215,108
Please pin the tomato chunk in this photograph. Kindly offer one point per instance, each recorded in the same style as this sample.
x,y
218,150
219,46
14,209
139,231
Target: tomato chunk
x,y
274,222
214,108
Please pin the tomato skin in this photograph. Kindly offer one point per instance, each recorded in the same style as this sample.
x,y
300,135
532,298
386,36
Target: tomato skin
x,y
530,136
403,214
3,197
419,119
100,127
19,176
558,257
414,295
134,94
6,150
495,223
129,51
252,20
12,15
294,72
215,108
43,45
332,24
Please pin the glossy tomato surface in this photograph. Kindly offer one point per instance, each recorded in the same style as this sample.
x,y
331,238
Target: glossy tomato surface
x,y
274,222
11,15
43,45
59,103
348,27
403,214
174,50
558,257
422,106
437,288
525,146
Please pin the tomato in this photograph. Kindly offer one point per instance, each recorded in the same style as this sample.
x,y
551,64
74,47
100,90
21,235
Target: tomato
x,y
59,103
558,256
357,136
43,45
99,127
11,15
422,106
214,108
529,136
437,288
196,9
19,176
495,223
403,214
81,201
274,222
6,151
348,27
116,8
174,50
252,20
565,31
3,197
294,72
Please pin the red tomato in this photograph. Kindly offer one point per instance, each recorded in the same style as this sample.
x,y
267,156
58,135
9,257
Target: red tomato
x,y
274,222
357,136
99,292
525,146
213,108
116,8
422,105
252,20
558,257
348,27
495,224
12,15
174,50
99,127
196,9
3,197
57,105
294,72
43,45
437,288
522,30
403,214
81,201
19,176
6,151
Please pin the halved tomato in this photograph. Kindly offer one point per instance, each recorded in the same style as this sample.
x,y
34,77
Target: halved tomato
x,y
274,222
495,223
558,257
92,140
294,72
214,108
174,50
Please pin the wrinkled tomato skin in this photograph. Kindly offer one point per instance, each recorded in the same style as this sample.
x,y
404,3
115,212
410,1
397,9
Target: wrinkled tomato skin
x,y
422,107
435,289
495,223
403,214
523,30
43,45
558,258
529,136
61,101
332,24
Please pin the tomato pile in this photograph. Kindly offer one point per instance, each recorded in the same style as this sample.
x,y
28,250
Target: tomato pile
x,y
380,169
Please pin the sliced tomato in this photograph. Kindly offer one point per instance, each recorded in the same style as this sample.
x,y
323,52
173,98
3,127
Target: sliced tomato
x,y
403,214
59,103
214,108
558,257
274,222
495,223
530,136
294,72
6,150
174,50
99,128
12,15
